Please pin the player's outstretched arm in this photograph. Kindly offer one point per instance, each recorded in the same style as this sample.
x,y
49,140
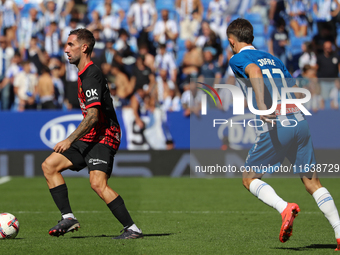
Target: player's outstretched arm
x,y
256,79
84,127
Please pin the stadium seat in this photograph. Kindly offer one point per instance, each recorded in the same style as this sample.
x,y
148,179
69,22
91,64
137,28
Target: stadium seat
x,y
165,4
24,12
225,44
181,44
235,16
253,18
124,4
179,59
258,30
296,43
92,4
260,42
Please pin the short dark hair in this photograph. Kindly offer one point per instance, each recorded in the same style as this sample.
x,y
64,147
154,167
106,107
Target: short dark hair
x,y
242,29
85,35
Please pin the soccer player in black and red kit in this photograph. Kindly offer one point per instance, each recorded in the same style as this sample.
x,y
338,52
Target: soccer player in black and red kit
x,y
93,144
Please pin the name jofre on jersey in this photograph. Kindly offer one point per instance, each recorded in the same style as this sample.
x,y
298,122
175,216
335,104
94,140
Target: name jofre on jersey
x,y
266,61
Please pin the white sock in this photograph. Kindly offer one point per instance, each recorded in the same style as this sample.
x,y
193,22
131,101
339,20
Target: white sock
x,y
326,204
267,194
134,228
68,215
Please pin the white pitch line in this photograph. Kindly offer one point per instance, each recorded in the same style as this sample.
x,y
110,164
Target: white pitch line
x,y
4,179
170,212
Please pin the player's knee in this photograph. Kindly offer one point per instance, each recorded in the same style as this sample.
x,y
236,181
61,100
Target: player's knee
x,y
98,187
47,167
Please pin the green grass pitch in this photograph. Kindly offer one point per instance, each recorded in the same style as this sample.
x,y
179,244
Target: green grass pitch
x,y
177,215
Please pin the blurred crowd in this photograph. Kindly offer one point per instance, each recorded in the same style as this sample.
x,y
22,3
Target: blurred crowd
x,y
150,50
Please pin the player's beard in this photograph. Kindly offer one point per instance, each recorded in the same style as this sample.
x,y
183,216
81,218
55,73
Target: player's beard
x,y
74,60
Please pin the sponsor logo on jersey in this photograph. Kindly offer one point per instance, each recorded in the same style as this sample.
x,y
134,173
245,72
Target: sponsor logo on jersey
x,y
91,93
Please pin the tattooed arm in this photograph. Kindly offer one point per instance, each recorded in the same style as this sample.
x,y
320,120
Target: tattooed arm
x,y
84,127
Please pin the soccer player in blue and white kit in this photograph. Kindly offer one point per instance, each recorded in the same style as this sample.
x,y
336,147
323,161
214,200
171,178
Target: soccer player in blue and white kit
x,y
275,142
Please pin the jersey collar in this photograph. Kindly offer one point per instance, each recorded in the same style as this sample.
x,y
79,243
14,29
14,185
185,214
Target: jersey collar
x,y
247,48
85,68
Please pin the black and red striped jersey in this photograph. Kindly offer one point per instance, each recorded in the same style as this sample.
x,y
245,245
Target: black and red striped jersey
x,y
93,91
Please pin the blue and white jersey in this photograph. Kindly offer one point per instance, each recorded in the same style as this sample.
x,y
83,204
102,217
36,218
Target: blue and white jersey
x,y
276,76
217,9
7,13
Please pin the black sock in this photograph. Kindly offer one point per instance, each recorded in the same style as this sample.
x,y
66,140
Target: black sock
x,y
60,197
119,210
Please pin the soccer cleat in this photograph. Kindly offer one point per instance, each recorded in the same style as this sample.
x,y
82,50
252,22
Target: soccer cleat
x,y
64,226
338,244
129,234
288,216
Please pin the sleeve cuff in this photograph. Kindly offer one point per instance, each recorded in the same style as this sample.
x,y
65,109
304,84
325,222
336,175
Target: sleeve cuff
x,y
93,104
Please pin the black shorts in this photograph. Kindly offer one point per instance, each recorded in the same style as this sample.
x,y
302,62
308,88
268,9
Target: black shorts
x,y
96,156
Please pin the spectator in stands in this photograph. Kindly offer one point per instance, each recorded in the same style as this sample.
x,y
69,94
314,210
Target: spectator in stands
x,y
124,57
35,55
296,10
99,46
172,100
335,96
71,85
115,9
142,17
59,91
166,30
192,60
25,87
64,7
9,17
217,17
66,31
308,56
191,99
262,8
48,8
96,23
191,15
31,26
6,55
124,88
149,59
137,104
165,60
111,23
106,58
210,39
142,76
324,35
278,41
45,89
308,80
210,68
6,85
113,95
328,67
163,86
324,14
277,7
52,40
